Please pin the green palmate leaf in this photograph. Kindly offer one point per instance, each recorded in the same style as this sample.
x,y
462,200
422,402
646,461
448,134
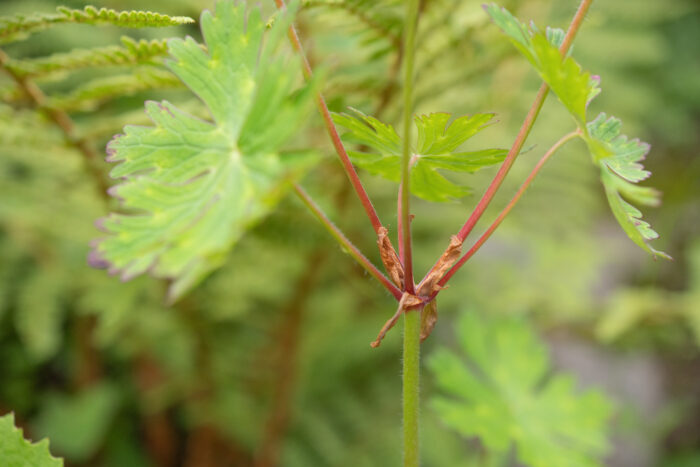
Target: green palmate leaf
x,y
194,187
19,27
436,148
617,156
15,451
506,398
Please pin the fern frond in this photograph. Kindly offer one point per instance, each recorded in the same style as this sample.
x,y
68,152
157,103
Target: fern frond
x,y
132,53
93,93
370,13
19,27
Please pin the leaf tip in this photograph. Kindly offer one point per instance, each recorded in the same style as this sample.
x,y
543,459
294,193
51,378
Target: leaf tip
x,y
96,260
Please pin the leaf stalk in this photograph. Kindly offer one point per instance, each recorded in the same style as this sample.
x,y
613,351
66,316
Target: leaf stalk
x,y
345,242
521,191
523,133
333,132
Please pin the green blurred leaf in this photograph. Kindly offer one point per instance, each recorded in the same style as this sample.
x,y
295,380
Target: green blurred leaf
x,y
39,313
15,451
504,396
77,424
438,140
194,187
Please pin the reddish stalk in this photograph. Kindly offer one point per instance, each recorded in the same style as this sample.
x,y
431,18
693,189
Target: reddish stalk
x,y
333,132
399,223
346,243
524,131
485,236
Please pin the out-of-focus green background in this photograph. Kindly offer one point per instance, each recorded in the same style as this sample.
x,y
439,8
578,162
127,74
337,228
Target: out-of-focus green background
x,y
269,358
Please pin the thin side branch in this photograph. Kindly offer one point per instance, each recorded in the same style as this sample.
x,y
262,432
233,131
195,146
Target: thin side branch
x,y
524,131
346,243
507,209
333,132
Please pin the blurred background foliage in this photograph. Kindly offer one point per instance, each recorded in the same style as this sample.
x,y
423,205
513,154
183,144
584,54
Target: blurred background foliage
x,y
267,362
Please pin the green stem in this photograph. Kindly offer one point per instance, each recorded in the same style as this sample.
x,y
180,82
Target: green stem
x,y
411,342
411,387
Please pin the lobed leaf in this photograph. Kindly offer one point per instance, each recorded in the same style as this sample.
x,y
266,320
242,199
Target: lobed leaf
x,y
574,87
192,187
617,156
19,27
506,398
15,451
436,146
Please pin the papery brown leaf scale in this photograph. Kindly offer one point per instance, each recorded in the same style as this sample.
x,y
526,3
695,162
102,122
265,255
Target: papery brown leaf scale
x,y
430,285
389,257
428,319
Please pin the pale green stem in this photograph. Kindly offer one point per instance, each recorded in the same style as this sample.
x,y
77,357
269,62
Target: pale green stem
x,y
411,388
411,343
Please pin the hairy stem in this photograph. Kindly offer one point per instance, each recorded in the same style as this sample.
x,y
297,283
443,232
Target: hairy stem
x,y
405,187
509,207
345,242
333,132
411,388
524,131
411,338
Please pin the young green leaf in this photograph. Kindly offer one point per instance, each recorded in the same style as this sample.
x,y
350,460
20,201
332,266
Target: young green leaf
x,y
15,451
505,397
436,148
617,156
194,187
574,87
